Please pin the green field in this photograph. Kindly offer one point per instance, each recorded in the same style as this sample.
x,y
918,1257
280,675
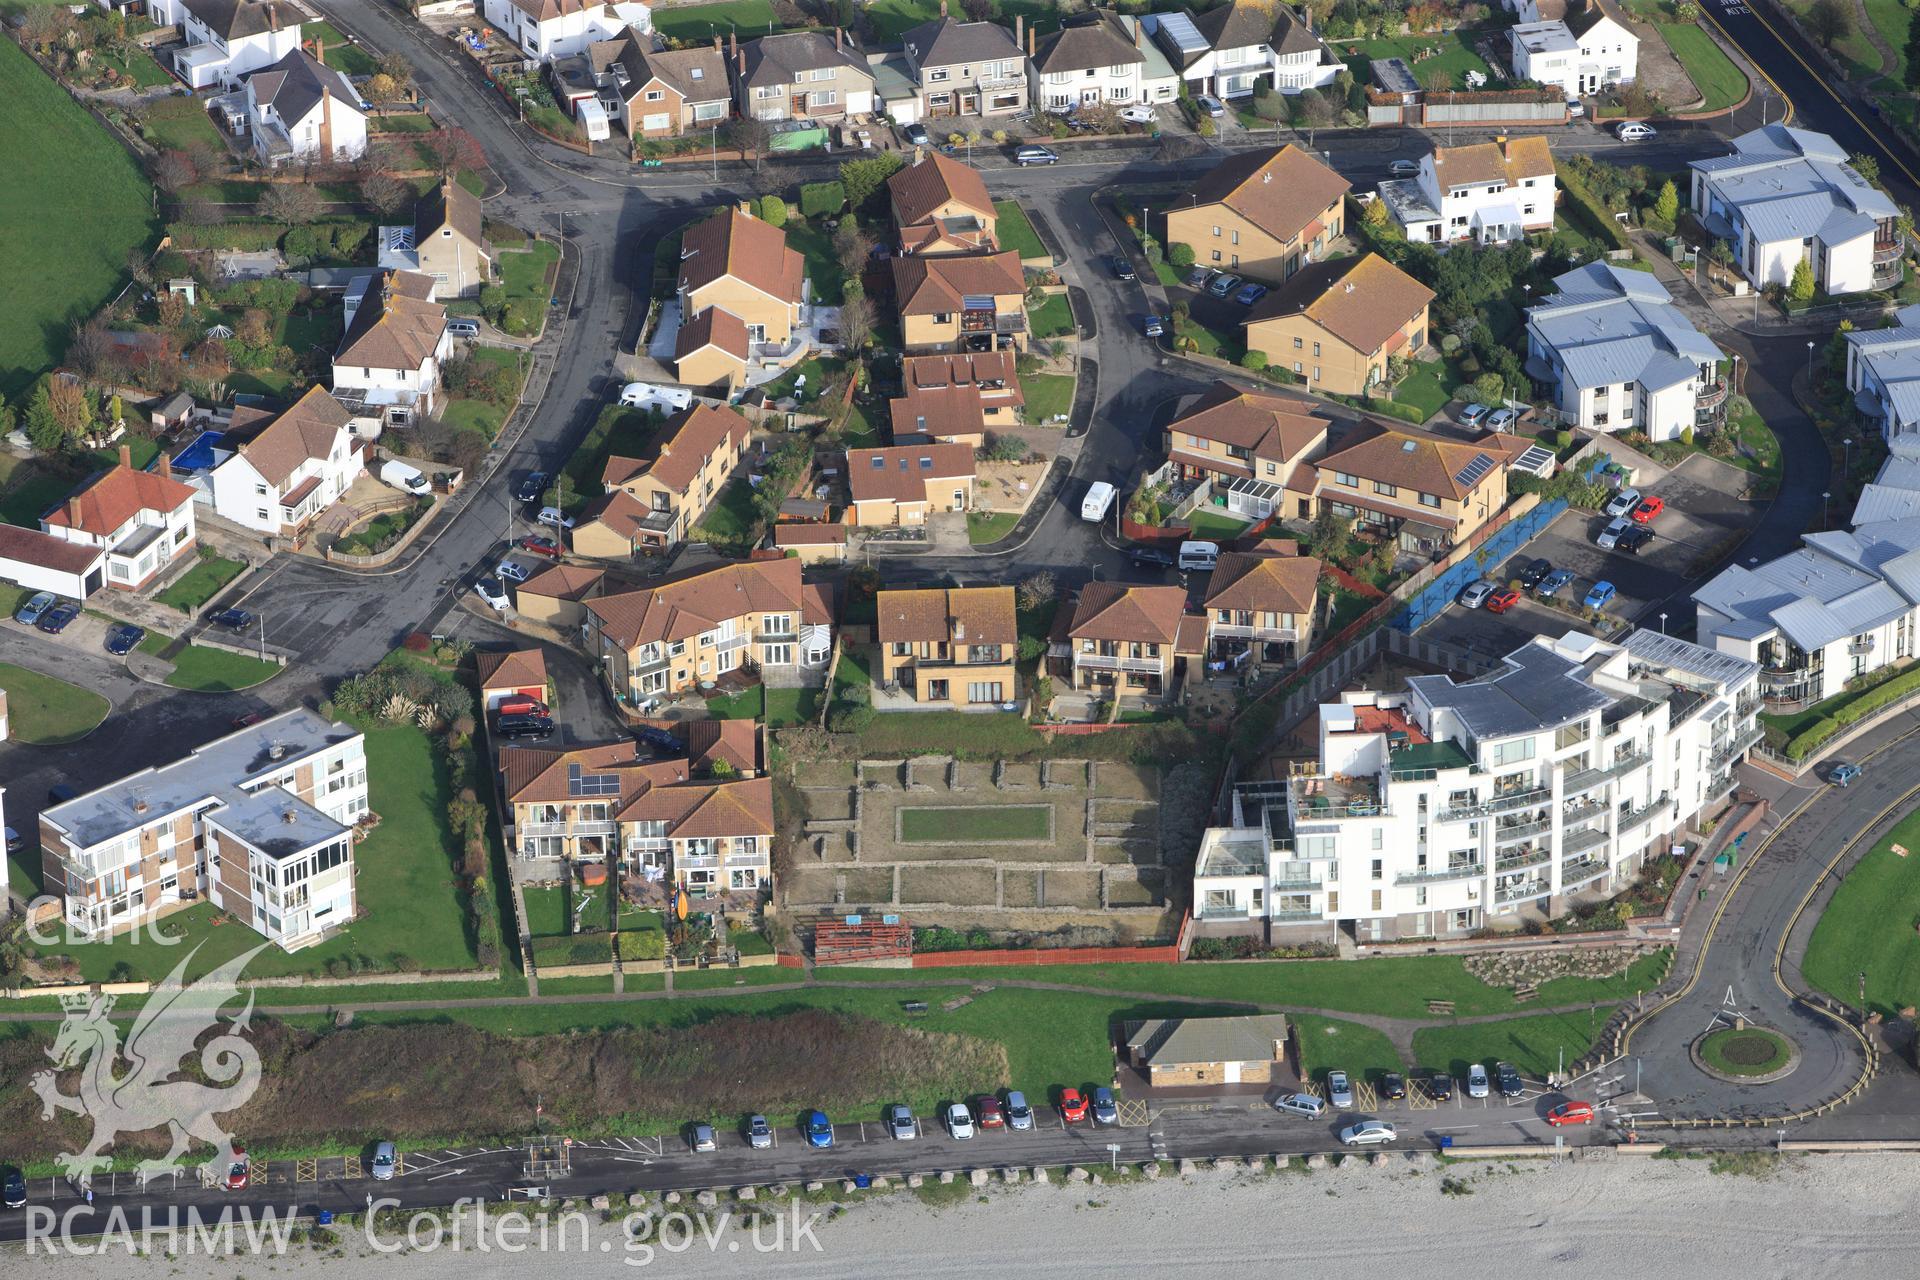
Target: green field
x,y
43,711
403,882
1048,395
1014,232
1456,57
1870,927
1535,1043
71,206
1052,318
208,670
1026,822
524,275
893,18
201,583
1720,82
701,22
1333,1044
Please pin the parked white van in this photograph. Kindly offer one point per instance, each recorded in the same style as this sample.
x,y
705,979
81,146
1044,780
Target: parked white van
x,y
646,395
1098,501
1198,555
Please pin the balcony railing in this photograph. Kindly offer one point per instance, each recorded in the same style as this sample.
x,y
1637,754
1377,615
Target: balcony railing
x,y
1238,631
1582,840
1575,872
1784,677
1886,251
1586,779
581,828
1576,813
689,861
1634,817
1113,662
1293,917
1465,871
1521,830
1742,742
1299,884
1229,911
1498,804
1711,396
1861,646
1523,891
746,860
1525,858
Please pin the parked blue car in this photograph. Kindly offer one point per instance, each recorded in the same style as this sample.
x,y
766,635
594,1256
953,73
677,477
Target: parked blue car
x,y
1250,294
1599,595
819,1129
1553,583
122,639
30,611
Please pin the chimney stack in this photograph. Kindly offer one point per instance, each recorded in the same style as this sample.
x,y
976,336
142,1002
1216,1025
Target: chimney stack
x,y
126,455
73,511
1019,29
1136,33
839,38
733,41
320,51
716,42
1030,44
943,8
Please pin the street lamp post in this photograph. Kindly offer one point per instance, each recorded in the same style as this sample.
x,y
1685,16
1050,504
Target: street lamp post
x,y
1825,515
713,146
1663,624
1848,445
1863,997
1809,365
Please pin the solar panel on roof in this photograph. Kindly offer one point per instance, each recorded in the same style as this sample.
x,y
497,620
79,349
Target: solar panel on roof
x,y
591,784
1180,29
1471,473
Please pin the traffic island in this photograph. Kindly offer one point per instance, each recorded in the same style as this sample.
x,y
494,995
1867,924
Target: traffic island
x,y
1745,1054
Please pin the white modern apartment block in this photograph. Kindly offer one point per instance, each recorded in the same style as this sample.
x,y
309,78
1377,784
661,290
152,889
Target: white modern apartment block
x,y
1578,48
225,40
1488,192
1488,803
1883,373
1616,355
1229,49
1786,195
549,29
1844,604
259,822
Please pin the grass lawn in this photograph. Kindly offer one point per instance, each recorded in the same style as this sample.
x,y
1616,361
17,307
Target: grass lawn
x,y
27,488
1707,65
1052,318
201,583
270,383
1457,56
1213,342
1535,1043
340,54
1749,1051
42,710
547,911
1015,232
178,124
1797,722
701,22
217,671
524,273
1049,396
75,203
1760,449
146,73
1331,1044
731,517
1424,387
476,415
778,707
412,122
857,432
404,885
983,527
1868,928
1001,822
618,430
892,18
1207,524
823,268
1890,18
815,369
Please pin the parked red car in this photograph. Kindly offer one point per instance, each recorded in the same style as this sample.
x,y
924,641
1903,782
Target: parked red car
x,y
243,720
988,1113
1571,1113
521,707
542,546
1649,507
1502,600
239,1174
1073,1106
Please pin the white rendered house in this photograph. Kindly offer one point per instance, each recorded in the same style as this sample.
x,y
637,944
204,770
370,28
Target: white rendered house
x,y
1106,59
225,40
1228,50
1883,373
141,520
1489,192
298,110
549,29
395,343
1579,48
291,467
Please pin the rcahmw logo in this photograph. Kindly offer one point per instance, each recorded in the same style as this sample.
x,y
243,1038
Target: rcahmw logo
x,y
80,1232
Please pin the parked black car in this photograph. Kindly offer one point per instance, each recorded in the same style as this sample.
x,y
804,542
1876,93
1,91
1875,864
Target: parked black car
x,y
55,620
532,487
664,739
231,619
528,728
1150,558
1439,1086
1634,540
1393,1086
1122,269
1510,1085
1536,570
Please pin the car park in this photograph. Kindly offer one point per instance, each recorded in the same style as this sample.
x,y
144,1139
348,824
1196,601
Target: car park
x,y
1403,168
555,518
385,1161
1535,572
532,486
1844,775
1105,1109
1439,1086
1211,105
13,1189
1571,1113
1137,114
1019,1112
1502,420
759,1132
1623,501
900,1123
1598,595
1393,1086
542,546
1035,155
1368,1133
1473,415
988,1112
29,613
1476,593
1122,269
494,592
700,1137
1634,539
121,639
1634,131
818,1130
1510,1085
1250,294
1153,326
1553,583
1648,509
1476,1081
1609,538
1339,1089
231,619
55,620
1502,600
1223,284
1073,1106
1300,1104
959,1121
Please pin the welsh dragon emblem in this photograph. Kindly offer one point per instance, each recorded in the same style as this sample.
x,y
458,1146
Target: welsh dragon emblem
x,y
176,1015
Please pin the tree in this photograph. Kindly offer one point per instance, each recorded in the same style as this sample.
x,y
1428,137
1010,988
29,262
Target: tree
x,y
1913,53
93,351
822,199
852,247
1312,109
1800,288
140,267
1865,165
396,68
773,210
865,178
42,25
1180,255
385,193
255,328
1686,12
197,210
71,406
1490,388
174,170
856,321
562,491
1037,589
1829,21
43,430
294,203
978,10
1666,205
452,150
750,137
1436,80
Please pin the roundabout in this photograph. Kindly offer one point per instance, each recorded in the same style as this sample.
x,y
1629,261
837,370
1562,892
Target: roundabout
x,y
1746,1054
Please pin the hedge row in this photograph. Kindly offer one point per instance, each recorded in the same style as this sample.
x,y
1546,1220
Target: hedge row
x,y
640,944
258,236
580,948
1873,700
1590,211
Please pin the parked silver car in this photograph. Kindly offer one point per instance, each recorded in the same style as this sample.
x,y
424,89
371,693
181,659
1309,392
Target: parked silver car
x,y
384,1162
1477,1081
759,1132
1300,1104
1339,1090
1368,1133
